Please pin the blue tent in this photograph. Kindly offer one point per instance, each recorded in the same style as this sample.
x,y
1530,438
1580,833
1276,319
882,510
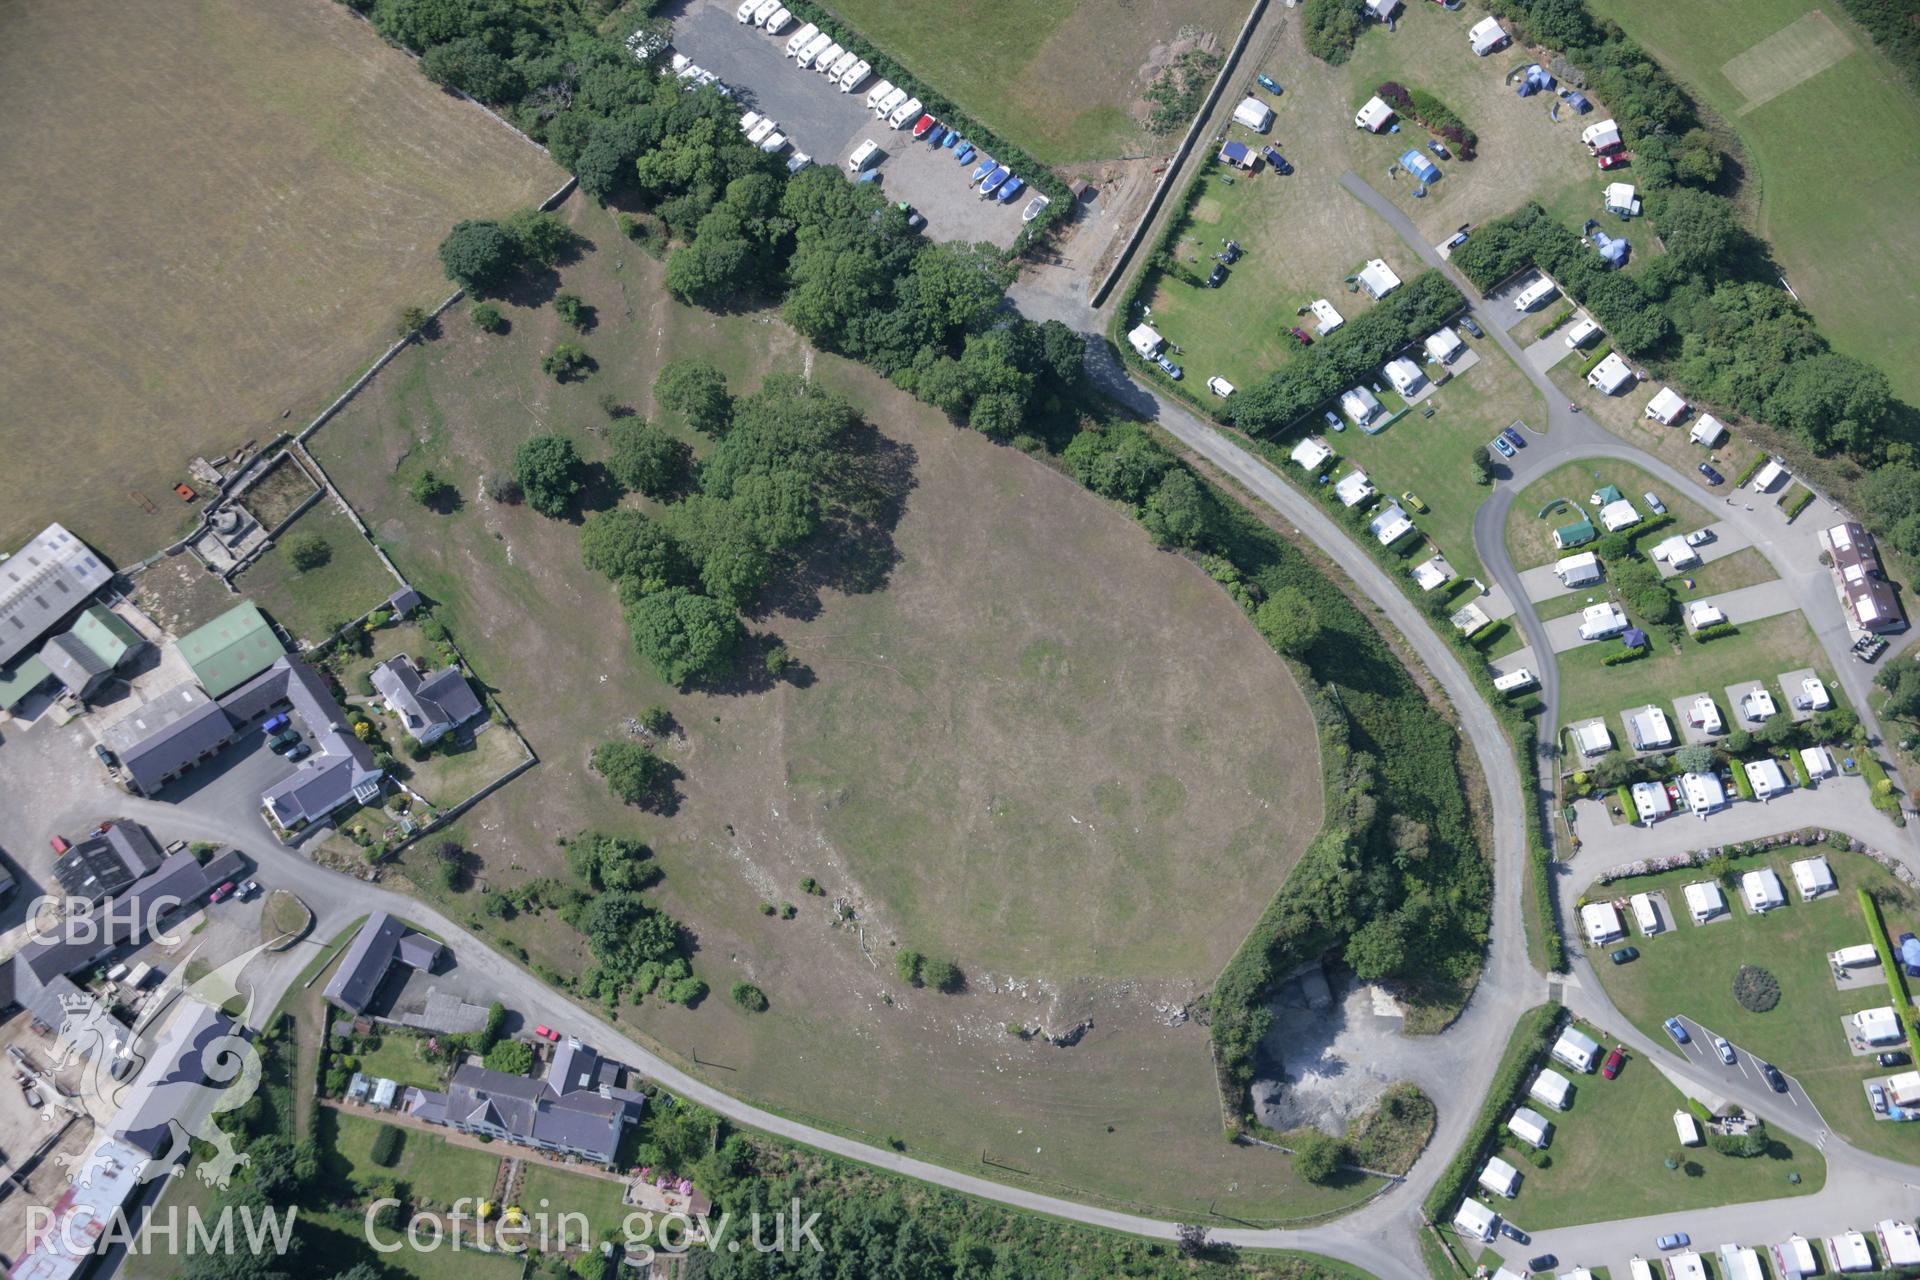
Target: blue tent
x,y
1420,167
1613,250
1910,954
1634,638
1578,101
1235,153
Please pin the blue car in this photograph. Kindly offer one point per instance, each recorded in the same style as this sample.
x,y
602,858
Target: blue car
x,y
1506,450
1268,83
1674,1240
1678,1032
275,725
1513,437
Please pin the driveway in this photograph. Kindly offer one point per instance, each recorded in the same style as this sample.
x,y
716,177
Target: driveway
x,y
1837,804
1750,604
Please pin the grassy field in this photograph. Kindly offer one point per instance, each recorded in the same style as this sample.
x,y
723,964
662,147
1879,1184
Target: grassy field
x,y
1746,567
310,603
438,1171
210,227
1690,971
960,765
1834,182
1609,1158
1761,651
1530,537
1006,63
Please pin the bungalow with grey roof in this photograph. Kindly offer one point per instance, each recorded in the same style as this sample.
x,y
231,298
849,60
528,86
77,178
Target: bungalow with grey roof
x,y
579,1109
382,942
429,707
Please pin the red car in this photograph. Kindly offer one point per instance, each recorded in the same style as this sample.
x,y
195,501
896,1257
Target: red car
x,y
546,1033
1615,161
920,128
222,893
1302,336
1615,1060
59,844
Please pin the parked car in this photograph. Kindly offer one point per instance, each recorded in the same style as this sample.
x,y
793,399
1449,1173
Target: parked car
x,y
1618,160
1678,1032
1775,1081
105,756
281,721
1892,1058
1545,1262
1415,501
1653,500
1879,1097
1467,323
1615,1060
222,893
248,889
1217,276
1674,1240
1301,336
1268,83
1700,537
300,751
1231,254
1713,477
1513,437
1514,1233
1333,420
1725,1050
1173,370
1278,161
283,739
1500,443
1625,955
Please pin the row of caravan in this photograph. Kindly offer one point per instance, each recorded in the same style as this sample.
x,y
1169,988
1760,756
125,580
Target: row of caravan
x,y
814,50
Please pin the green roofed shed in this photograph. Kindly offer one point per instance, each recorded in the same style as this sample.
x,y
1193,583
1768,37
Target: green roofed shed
x,y
107,634
1575,534
16,684
231,650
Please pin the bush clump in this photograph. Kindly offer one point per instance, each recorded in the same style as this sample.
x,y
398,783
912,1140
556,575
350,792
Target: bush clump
x,y
1757,990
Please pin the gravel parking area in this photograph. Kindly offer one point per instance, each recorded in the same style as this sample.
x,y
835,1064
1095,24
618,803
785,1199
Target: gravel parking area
x,y
827,124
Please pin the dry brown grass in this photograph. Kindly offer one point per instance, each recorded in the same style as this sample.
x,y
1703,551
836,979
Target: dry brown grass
x,y
214,212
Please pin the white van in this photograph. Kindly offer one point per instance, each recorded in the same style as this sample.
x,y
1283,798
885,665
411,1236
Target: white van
x,y
864,157
745,12
1581,333
815,47
1534,294
841,65
905,113
777,20
763,11
801,39
856,75
884,108
1514,681
878,94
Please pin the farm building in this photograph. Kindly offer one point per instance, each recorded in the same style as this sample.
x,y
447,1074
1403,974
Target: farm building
x,y
1704,794
1237,155
1551,1089
1145,341
1577,534
1598,621
1793,1259
1611,376
1475,1221
1530,1127
1870,600
1666,407
1645,915
1687,1129
1592,739
1878,1025
1812,876
1647,728
1391,525
1419,166
42,583
1500,1178
1578,570
1360,405
1325,318
1312,454
1378,279
1702,614
1899,1243
1575,1048
1601,136
1353,488
1601,923
1617,515
1486,35
1707,430
1770,476
1849,1252
1762,890
1704,901
1405,375
231,650
1254,114
1676,553
1650,802
1431,573
1374,116
1444,344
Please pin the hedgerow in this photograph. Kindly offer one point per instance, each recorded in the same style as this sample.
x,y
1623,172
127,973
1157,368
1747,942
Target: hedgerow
x,y
1531,1040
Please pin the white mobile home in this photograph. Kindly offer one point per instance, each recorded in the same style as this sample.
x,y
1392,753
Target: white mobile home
x,y
1550,1088
1651,802
1687,1129
1812,876
1762,891
1374,116
1312,454
1611,376
1645,915
1575,1048
1486,35
1602,924
1254,114
1500,1178
1666,407
1578,570
1704,901
1530,1127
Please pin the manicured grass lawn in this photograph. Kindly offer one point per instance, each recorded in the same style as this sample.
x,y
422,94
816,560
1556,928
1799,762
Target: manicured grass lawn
x,y
398,1058
1834,183
1760,651
1570,602
1609,1158
438,1171
1690,971
552,1192
1744,568
343,1235
1530,537
351,582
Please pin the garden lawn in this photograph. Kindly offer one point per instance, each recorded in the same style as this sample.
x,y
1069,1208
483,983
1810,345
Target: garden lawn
x,y
1744,568
1530,537
544,1189
1760,651
398,1058
1609,1157
438,1171
1690,971
309,604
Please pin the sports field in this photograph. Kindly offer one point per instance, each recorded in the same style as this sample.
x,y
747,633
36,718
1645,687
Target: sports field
x,y
1024,739
1062,79
214,211
1828,126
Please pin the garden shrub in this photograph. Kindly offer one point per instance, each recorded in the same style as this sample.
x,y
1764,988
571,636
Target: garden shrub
x,y
1757,990
386,1146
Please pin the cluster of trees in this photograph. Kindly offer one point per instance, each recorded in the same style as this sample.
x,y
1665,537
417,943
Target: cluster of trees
x,y
483,256
635,773
1744,343
1350,355
918,970
1889,496
1333,27
1431,112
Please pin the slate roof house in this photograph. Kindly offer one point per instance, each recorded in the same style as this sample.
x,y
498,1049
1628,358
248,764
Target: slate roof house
x,y
104,864
341,769
578,1110
381,943
429,707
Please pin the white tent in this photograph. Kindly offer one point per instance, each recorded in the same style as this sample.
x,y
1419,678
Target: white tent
x,y
1704,901
1666,407
1530,1127
1353,488
1610,376
1391,525
1577,570
1575,1048
1254,114
1762,890
1475,1220
1687,1129
1767,777
1500,1178
1444,344
1650,801
1849,1252
1899,1243
1312,453
1704,794
1645,914
1326,318
1676,552
1707,430
1812,876
1374,116
1432,573
1701,614
1602,923
1793,1259
1602,135
1737,1262
1486,35
1598,621
1878,1025
1617,515
1703,713
1620,198
1648,730
1592,739
1405,375
1360,405
1551,1089
1144,340
1378,279
1470,619
1769,475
